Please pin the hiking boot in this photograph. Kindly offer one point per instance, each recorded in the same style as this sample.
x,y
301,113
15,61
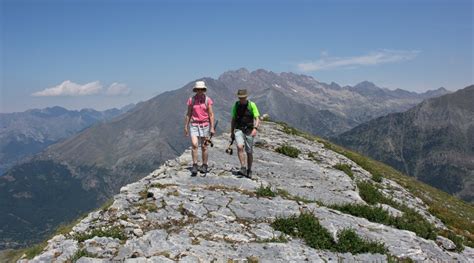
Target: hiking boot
x,y
243,171
203,169
194,169
249,174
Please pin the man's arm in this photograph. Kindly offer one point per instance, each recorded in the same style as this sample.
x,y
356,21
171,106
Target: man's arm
x,y
256,122
232,126
232,123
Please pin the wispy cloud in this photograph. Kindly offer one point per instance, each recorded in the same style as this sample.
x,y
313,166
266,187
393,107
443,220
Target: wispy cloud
x,y
373,58
117,89
69,88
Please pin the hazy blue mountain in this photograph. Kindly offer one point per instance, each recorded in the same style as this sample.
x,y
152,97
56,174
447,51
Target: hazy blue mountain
x,y
108,155
23,134
433,142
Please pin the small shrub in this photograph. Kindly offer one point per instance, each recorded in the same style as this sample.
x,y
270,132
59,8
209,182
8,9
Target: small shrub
x,y
284,194
410,220
151,207
313,156
413,221
457,240
377,177
394,259
345,168
252,259
279,239
289,130
113,232
371,213
265,192
79,254
307,227
158,185
288,151
145,194
369,193
348,240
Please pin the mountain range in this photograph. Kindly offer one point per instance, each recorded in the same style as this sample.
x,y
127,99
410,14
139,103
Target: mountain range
x,y
433,142
23,134
80,173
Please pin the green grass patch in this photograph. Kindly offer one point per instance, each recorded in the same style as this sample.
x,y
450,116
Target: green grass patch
x,y
410,220
288,151
453,212
413,221
35,250
456,214
113,232
394,259
345,168
284,194
308,228
376,177
457,240
265,192
370,193
349,241
278,239
79,254
371,213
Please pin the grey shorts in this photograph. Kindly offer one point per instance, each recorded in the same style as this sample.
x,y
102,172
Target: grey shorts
x,y
243,139
199,130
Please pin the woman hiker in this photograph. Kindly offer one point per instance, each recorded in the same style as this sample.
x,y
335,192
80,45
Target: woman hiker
x,y
199,121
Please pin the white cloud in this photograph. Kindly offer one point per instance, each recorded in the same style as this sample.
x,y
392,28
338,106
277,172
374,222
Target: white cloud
x,y
69,88
373,58
117,89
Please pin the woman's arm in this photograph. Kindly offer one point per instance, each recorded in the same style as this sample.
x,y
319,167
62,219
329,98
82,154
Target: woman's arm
x,y
187,119
211,118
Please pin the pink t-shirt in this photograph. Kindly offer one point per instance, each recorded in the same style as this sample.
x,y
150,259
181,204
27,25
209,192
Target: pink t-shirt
x,y
200,114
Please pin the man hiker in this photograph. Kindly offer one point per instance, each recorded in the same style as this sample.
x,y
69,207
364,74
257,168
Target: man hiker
x,y
244,128
199,121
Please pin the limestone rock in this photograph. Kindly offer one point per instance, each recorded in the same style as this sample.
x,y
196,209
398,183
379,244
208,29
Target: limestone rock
x,y
170,216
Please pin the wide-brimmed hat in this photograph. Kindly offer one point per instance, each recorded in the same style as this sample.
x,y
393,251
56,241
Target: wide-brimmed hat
x,y
242,93
199,85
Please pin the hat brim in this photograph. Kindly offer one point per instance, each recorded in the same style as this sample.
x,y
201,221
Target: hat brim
x,y
242,96
196,89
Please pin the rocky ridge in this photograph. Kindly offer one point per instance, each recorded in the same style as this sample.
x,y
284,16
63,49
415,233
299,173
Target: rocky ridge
x,y
169,216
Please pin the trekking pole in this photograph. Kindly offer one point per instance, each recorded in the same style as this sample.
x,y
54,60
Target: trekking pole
x,y
208,141
229,148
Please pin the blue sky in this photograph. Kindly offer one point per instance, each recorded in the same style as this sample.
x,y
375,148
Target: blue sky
x,y
102,54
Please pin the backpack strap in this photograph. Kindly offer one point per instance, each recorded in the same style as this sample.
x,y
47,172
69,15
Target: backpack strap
x,y
205,101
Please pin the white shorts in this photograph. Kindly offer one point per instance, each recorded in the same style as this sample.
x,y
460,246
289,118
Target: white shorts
x,y
199,130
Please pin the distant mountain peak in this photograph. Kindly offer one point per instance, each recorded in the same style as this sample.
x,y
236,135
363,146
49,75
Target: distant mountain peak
x,y
366,85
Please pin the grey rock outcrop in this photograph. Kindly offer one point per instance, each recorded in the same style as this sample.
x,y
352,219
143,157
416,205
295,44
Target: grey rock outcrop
x,y
170,216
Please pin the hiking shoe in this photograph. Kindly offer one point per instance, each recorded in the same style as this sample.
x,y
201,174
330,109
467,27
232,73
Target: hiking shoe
x,y
249,174
203,169
194,169
243,171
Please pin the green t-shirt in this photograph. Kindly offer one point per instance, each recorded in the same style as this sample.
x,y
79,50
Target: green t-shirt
x,y
251,106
